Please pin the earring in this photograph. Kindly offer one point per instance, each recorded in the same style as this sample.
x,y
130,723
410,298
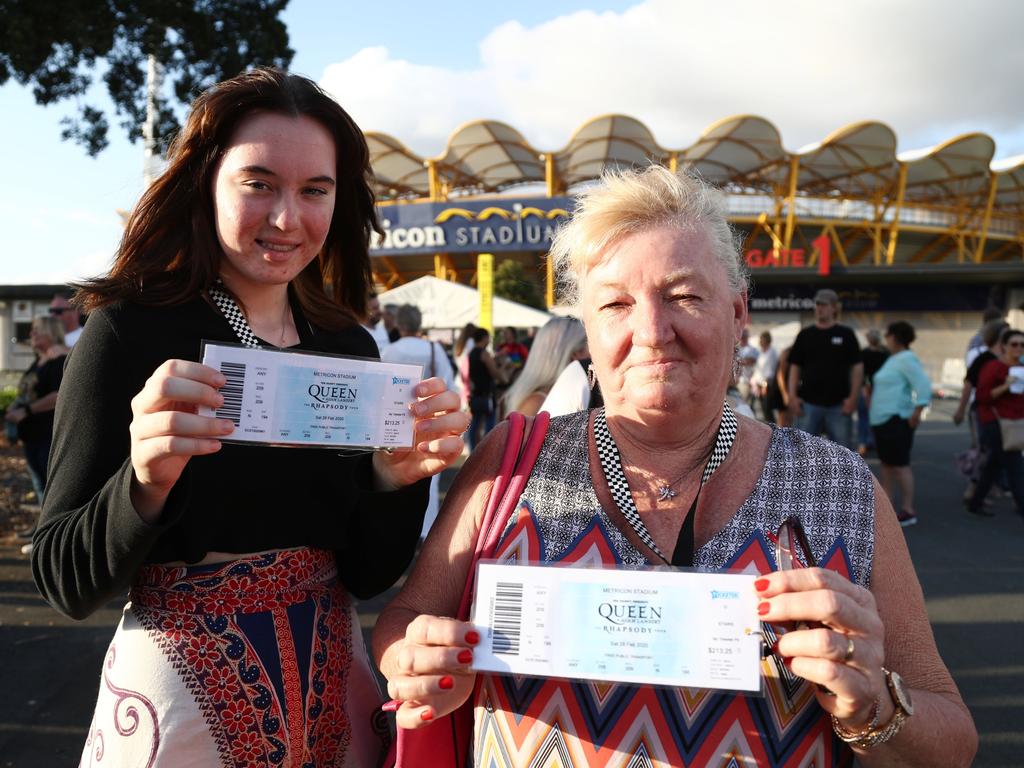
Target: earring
x,y
736,367
591,376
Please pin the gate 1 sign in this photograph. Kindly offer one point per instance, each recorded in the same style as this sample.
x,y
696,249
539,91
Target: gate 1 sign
x,y
794,258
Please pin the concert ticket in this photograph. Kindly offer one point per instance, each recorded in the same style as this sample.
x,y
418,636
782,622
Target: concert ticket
x,y
658,627
306,399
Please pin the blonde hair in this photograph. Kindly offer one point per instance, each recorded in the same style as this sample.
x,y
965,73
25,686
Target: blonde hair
x,y
634,200
51,326
552,350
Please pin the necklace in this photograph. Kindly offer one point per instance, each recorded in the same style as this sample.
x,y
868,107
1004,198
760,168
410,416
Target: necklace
x,y
618,486
723,443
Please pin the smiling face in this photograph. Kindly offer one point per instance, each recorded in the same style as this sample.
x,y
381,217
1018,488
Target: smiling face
x,y
273,193
662,324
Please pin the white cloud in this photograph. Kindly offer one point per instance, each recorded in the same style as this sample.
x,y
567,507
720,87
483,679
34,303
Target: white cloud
x,y
928,68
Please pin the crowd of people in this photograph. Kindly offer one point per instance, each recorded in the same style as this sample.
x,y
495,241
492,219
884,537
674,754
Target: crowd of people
x,y
240,642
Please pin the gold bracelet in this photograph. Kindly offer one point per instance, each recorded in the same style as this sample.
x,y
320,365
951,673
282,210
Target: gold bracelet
x,y
854,737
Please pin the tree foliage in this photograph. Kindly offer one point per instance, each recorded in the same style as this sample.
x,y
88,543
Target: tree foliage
x,y
56,45
512,283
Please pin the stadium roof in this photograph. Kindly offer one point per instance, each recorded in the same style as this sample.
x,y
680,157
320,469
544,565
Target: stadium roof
x,y
742,154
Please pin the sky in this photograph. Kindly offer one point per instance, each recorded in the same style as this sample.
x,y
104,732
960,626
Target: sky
x,y
930,69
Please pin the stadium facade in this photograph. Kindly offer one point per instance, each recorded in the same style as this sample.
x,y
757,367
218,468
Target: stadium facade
x,y
931,236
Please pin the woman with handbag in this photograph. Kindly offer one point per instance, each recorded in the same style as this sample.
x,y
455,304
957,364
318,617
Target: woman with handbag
x,y
1000,400
900,390
665,474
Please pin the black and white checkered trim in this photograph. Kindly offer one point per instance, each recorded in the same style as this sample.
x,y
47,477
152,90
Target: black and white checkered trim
x,y
611,463
234,315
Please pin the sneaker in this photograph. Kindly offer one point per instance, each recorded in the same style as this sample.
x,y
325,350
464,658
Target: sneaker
x,y
906,519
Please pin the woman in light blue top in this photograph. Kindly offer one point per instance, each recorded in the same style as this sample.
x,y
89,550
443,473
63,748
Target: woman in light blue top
x,y
899,393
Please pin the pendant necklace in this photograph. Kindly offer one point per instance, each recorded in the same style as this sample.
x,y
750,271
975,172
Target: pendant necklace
x,y
618,486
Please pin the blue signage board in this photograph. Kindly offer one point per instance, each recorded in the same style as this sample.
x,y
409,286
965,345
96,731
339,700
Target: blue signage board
x,y
455,226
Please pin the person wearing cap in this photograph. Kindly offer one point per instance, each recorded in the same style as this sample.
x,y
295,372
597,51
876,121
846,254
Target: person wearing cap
x,y
825,373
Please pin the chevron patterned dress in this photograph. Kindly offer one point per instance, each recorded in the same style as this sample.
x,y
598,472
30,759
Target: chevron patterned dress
x,y
551,722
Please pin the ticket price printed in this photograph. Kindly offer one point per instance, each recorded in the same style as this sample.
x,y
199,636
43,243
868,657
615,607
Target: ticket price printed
x,y
656,627
303,399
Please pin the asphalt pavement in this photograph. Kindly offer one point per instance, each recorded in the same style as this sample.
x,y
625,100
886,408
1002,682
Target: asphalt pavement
x,y
971,569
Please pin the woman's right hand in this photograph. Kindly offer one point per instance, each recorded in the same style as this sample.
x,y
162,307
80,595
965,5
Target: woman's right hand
x,y
434,669
167,431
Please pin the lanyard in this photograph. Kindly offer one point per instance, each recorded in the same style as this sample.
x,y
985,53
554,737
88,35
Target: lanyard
x,y
234,315
611,464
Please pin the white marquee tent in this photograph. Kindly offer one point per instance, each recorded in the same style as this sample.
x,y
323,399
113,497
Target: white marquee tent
x,y
451,305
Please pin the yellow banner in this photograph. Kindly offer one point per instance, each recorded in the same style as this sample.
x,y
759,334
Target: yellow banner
x,y
485,285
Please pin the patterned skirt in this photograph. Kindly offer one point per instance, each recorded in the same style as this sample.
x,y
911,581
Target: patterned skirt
x,y
255,661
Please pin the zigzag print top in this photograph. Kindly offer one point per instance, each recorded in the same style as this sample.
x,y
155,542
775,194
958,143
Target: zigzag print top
x,y
529,722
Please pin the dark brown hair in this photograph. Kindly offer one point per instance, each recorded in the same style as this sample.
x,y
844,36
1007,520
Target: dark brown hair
x,y
169,253
902,331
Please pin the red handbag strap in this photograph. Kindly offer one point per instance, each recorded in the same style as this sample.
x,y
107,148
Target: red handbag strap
x,y
513,447
507,489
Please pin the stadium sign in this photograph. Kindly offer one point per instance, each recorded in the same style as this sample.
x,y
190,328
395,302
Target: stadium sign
x,y
794,258
498,224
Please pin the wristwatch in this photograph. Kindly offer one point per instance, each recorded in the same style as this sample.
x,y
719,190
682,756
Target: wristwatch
x,y
873,735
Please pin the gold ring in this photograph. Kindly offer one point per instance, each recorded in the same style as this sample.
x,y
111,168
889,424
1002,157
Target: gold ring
x,y
849,650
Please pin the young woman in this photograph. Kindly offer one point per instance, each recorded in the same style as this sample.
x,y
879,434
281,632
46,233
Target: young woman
x,y
900,390
559,342
996,400
239,645
32,410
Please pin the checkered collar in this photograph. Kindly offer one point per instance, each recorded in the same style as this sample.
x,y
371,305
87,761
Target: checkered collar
x,y
233,314
611,464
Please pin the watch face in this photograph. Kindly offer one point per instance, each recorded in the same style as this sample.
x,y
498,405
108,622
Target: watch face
x,y
901,693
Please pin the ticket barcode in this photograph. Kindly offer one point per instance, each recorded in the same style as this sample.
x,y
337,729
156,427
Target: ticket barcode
x,y
232,392
507,618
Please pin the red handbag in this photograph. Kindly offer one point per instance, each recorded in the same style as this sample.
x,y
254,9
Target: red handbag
x,y
446,741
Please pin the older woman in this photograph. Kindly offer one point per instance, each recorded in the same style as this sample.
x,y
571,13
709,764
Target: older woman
x,y
559,342
663,297
239,645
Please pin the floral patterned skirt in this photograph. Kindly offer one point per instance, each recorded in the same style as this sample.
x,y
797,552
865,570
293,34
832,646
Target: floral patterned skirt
x,y
255,661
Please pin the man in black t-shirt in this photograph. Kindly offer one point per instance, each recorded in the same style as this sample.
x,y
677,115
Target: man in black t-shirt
x,y
825,372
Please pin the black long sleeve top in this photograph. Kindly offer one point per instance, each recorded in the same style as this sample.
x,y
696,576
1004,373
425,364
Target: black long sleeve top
x,y
90,541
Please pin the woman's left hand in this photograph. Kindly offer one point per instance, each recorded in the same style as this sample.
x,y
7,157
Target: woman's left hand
x,y
844,654
437,440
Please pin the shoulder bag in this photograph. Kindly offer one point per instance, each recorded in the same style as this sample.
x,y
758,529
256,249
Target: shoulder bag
x,y
445,743
1012,432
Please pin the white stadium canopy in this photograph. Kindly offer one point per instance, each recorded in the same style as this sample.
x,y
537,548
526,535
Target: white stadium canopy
x,y
451,305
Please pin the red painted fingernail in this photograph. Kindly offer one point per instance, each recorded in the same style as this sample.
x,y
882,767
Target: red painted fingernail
x,y
788,661
775,647
426,714
465,657
761,585
447,683
390,706
472,637
763,608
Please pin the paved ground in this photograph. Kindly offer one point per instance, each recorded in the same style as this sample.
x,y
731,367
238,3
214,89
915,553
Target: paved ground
x,y
972,571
